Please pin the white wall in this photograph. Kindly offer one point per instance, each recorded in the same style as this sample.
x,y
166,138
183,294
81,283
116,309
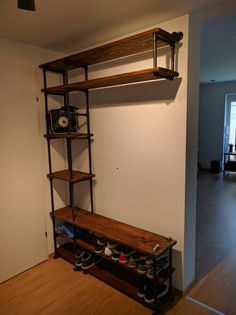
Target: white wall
x,y
211,120
23,158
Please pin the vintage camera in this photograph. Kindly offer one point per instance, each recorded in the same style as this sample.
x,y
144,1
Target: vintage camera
x,y
64,119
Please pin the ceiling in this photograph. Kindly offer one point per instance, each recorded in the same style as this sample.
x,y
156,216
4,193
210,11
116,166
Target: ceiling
x,y
70,25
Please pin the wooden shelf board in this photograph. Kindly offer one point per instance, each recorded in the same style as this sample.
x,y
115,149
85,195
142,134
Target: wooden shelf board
x,y
73,177
119,79
73,135
138,239
124,47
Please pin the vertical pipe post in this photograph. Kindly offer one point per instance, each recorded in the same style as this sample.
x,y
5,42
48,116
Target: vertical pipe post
x,y
89,141
170,265
50,163
172,47
154,50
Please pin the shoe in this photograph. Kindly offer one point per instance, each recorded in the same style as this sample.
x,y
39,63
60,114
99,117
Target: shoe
x,y
142,267
149,295
78,257
128,251
118,249
132,264
162,290
149,260
142,288
135,256
102,241
111,244
99,249
159,267
123,259
108,251
79,252
92,261
115,256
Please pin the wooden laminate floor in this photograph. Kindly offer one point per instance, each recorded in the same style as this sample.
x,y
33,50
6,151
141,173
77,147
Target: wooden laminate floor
x,y
218,288
216,242
216,220
54,288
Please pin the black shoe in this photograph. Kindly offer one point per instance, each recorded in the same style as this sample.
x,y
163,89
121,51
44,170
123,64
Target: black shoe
x,y
78,257
143,287
102,241
92,261
149,294
99,249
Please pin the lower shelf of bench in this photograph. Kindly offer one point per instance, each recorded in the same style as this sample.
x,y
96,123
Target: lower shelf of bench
x,y
113,274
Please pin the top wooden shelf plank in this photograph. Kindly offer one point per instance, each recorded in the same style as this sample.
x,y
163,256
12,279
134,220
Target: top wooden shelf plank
x,y
139,239
124,47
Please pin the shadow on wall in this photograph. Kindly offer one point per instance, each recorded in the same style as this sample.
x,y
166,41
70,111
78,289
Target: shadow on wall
x,y
162,91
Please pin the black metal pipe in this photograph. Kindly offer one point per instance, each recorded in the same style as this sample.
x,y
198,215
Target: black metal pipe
x,y
154,50
172,57
89,140
170,265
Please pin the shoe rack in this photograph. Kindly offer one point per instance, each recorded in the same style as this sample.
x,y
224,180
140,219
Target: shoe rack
x,y
115,274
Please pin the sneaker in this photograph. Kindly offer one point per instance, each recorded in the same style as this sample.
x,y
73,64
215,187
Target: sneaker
x,y
92,261
79,252
142,288
118,249
132,264
123,259
128,251
102,241
111,244
142,267
115,256
159,268
150,273
78,257
135,256
99,249
149,294
162,291
108,251
149,260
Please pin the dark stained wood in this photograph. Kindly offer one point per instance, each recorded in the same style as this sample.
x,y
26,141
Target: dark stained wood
x,y
124,47
118,79
73,177
73,135
139,239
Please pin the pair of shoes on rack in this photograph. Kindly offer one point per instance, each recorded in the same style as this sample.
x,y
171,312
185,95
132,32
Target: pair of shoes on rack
x,y
122,254
146,266
148,291
106,246
85,259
